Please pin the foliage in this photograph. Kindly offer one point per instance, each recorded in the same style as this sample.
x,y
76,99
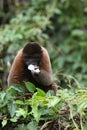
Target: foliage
x,y
28,25
69,39
15,107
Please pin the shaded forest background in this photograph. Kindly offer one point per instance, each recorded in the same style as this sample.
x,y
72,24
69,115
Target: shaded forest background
x,y
61,27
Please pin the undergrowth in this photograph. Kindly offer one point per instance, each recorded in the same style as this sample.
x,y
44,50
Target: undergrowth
x,y
37,110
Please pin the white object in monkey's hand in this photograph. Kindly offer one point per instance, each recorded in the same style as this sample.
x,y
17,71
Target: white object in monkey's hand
x,y
34,68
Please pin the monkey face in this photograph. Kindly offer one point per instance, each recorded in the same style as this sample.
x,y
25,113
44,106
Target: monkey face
x,y
33,65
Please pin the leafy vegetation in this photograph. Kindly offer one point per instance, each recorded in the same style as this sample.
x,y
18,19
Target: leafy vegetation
x,y
61,27
67,110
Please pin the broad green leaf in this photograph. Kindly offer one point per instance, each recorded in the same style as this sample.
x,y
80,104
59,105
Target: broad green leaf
x,y
50,93
32,125
30,86
21,127
21,112
44,111
40,92
4,122
82,107
53,102
14,119
15,87
36,114
35,110
19,102
77,32
12,108
2,95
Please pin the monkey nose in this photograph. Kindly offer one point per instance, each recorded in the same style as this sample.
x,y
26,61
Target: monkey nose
x,y
37,70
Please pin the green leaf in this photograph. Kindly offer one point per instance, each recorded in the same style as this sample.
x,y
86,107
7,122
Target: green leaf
x,y
21,112
32,125
35,110
20,127
13,89
4,122
44,111
30,86
50,93
2,95
77,32
12,109
40,92
53,102
19,102
36,114
2,99
14,119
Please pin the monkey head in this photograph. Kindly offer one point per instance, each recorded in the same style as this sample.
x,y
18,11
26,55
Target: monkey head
x,y
32,54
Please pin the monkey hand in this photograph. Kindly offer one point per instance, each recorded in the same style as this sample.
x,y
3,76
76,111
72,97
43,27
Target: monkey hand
x,y
34,69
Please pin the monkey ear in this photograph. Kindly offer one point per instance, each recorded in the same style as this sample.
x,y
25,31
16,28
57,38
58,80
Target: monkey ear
x,y
32,48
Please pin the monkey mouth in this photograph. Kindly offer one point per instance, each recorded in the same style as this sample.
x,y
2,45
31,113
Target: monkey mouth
x,y
31,67
34,69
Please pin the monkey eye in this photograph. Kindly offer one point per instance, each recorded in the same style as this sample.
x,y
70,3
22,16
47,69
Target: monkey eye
x,y
26,59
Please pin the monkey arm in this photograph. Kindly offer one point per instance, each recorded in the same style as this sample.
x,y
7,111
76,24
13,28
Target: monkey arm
x,y
44,75
44,78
